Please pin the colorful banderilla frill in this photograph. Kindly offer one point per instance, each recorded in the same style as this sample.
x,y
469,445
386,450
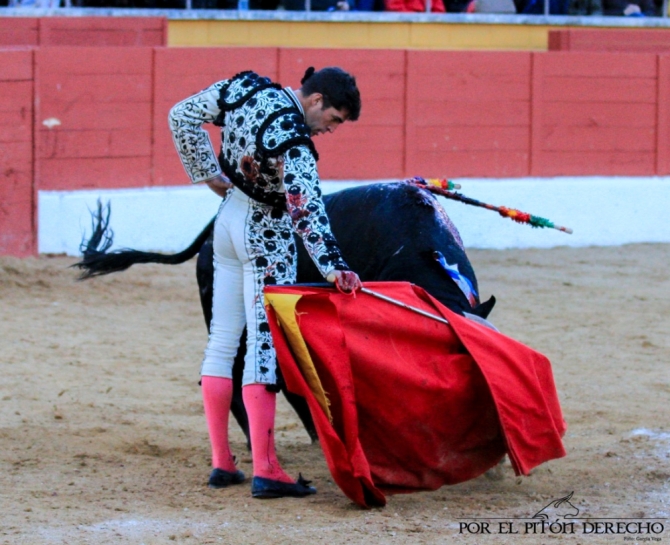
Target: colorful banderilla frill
x,y
444,188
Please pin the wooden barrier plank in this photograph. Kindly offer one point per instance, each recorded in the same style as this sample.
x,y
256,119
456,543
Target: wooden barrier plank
x,y
595,163
92,143
600,114
580,89
450,138
614,139
13,93
600,65
90,61
94,172
469,89
470,163
471,63
103,31
23,31
97,88
14,129
490,113
113,116
17,65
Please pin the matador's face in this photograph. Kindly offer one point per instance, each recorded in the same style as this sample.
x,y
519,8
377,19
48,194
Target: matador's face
x,y
320,119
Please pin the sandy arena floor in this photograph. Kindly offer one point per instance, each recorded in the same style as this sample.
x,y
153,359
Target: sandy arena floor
x,y
104,442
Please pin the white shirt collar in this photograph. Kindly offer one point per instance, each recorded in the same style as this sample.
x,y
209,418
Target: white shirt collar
x,y
291,93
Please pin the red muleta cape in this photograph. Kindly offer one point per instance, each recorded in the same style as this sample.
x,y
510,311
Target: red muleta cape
x,y
405,403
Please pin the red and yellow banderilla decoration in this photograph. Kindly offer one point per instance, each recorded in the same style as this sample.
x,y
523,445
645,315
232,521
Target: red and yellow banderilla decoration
x,y
446,187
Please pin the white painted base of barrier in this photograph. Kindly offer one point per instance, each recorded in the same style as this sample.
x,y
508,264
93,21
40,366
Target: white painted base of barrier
x,y
602,211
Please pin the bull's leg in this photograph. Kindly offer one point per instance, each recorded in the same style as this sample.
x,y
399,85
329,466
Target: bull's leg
x,y
237,405
204,273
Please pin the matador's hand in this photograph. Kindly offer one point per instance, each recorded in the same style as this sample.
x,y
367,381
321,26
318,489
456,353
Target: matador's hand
x,y
345,280
220,185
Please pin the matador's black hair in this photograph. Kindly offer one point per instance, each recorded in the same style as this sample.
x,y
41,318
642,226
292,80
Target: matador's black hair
x,y
338,88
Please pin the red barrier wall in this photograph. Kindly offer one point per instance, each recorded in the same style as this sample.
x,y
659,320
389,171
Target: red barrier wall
x,y
594,113
468,114
83,31
100,116
99,102
103,31
16,153
644,40
19,31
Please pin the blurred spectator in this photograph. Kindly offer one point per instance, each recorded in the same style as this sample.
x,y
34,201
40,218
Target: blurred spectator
x,y
47,4
536,7
150,4
233,4
585,7
316,5
631,8
335,5
261,4
436,6
491,6
370,5
456,6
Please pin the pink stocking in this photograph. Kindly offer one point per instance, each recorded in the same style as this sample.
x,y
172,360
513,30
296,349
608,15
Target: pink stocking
x,y
261,406
217,394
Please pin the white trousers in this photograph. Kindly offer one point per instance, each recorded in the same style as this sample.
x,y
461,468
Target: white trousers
x,y
253,247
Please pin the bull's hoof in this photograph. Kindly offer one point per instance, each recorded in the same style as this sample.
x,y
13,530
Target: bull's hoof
x,y
220,478
267,488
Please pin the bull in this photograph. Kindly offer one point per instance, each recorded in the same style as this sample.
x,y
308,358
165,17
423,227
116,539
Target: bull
x,y
387,232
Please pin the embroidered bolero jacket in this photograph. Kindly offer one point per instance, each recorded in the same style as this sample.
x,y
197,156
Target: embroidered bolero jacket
x,y
266,151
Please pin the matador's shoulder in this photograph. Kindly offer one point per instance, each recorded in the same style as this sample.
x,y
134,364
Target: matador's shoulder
x,y
241,88
283,130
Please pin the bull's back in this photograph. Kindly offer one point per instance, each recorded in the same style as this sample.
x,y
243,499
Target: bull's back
x,y
389,232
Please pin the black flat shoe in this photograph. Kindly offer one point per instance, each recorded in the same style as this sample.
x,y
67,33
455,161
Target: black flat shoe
x,y
220,478
267,488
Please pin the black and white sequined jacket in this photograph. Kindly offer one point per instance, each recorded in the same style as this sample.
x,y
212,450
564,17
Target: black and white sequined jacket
x,y
266,151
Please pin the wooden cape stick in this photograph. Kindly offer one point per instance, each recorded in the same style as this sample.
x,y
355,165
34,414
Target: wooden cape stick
x,y
404,305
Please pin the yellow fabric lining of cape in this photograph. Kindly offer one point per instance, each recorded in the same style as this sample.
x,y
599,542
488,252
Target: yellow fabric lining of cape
x,y
284,307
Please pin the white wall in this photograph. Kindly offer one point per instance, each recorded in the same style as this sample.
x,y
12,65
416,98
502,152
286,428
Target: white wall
x,y
601,211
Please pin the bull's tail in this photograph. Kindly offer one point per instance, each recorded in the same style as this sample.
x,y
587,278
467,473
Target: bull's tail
x,y
97,261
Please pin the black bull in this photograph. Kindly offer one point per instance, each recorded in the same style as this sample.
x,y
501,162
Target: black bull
x,y
388,232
